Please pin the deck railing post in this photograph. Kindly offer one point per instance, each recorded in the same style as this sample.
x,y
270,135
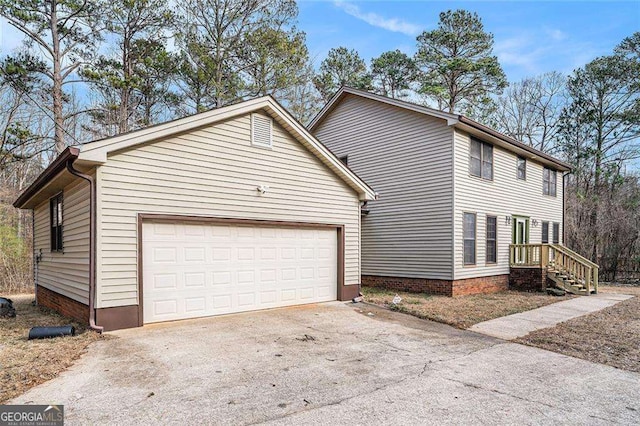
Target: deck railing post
x,y
544,256
587,281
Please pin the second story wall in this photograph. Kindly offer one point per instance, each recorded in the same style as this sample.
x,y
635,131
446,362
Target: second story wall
x,y
504,197
407,158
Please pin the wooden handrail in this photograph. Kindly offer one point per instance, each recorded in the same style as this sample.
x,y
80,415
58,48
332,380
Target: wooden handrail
x,y
574,254
558,257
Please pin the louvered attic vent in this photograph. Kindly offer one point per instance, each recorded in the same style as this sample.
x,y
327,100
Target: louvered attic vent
x,y
261,131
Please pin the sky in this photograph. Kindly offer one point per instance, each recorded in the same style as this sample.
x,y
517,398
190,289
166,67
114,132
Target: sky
x,y
530,37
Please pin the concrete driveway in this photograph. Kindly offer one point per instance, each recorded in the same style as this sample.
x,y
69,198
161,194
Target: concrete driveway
x,y
331,364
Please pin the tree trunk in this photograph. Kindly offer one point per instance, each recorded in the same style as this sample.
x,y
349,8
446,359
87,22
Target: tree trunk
x,y
58,114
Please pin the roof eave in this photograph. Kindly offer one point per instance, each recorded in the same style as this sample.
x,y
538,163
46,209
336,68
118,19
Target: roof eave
x,y
533,153
95,153
344,91
58,165
365,192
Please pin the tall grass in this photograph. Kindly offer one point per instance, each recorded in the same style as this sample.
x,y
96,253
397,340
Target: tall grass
x,y
15,262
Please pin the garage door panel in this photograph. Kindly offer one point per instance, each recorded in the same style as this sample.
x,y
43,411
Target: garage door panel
x,y
194,270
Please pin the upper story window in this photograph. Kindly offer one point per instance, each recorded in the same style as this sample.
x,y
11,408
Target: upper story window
x,y
55,222
344,159
521,168
481,159
549,181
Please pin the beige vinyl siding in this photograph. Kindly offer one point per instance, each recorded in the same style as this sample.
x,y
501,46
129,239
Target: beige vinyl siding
x,y
407,158
503,197
66,272
214,171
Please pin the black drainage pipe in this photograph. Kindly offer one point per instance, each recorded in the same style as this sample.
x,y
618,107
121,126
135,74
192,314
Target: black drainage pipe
x,y
48,332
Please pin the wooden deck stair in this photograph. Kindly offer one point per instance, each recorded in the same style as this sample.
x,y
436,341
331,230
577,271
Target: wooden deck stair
x,y
567,283
565,268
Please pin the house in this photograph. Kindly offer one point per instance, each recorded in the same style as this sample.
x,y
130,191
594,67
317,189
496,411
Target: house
x,y
235,209
455,197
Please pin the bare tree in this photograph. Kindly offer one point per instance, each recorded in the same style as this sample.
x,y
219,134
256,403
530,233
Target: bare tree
x,y
529,110
600,128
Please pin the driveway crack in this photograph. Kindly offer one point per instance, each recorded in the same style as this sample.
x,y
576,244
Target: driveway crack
x,y
520,398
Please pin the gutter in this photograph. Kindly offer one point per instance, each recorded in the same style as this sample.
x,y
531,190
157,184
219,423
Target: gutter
x,y
58,165
481,127
92,241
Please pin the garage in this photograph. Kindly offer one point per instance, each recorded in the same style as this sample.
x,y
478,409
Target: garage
x,y
196,269
231,210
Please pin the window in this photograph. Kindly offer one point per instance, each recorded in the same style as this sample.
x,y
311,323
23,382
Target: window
x,y
521,168
55,222
481,159
469,239
556,233
344,159
549,182
492,233
261,131
545,232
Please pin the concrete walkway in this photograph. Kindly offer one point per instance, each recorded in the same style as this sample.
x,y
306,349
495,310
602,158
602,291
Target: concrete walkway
x,y
518,325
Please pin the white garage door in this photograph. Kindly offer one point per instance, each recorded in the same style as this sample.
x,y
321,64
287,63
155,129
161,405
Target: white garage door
x,y
195,270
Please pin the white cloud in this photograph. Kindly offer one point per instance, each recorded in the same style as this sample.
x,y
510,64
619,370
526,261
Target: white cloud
x,y
371,18
556,34
520,51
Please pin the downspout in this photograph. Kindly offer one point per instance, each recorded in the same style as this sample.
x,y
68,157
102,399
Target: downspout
x,y
564,197
92,243
36,258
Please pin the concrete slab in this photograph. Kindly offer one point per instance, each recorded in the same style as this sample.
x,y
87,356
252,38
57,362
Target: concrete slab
x,y
518,325
332,364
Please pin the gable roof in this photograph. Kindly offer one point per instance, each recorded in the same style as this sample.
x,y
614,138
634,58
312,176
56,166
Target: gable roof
x,y
454,120
96,152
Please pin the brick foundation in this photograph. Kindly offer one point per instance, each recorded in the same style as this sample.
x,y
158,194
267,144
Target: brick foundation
x,y
528,279
479,285
62,304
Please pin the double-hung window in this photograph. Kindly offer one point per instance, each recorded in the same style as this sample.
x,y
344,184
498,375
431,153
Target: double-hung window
x,y
556,233
481,159
55,222
492,234
521,168
549,180
545,232
469,229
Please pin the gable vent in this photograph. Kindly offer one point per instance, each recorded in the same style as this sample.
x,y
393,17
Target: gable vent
x,y
261,130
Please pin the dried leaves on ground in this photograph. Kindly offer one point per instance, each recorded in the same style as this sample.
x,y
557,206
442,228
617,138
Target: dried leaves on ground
x,y
462,311
27,363
610,336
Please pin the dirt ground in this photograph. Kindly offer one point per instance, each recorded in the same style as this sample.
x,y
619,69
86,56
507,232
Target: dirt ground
x,y
610,336
27,363
622,289
462,311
